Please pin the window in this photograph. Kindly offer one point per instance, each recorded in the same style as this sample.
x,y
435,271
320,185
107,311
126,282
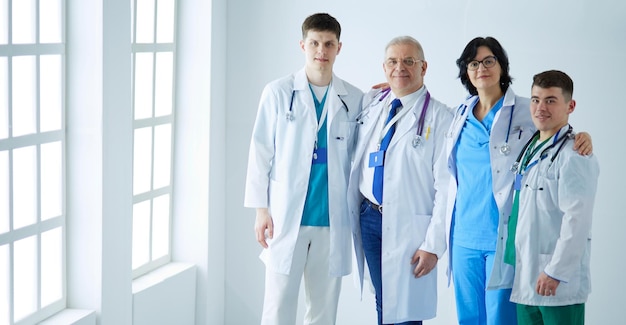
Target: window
x,y
32,163
153,55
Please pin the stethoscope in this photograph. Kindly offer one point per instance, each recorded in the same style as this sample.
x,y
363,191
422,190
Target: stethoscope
x,y
417,139
379,97
505,149
290,116
569,134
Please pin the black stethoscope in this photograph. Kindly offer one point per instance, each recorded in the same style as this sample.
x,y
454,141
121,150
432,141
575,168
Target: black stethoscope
x,y
569,134
506,149
290,116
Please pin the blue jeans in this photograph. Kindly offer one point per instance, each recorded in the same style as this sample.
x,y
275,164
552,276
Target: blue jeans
x,y
475,305
371,234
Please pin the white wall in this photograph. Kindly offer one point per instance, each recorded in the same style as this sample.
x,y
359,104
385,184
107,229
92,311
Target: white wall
x,y
165,296
583,38
99,159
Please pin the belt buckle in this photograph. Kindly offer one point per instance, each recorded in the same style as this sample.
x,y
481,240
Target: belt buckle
x,y
376,206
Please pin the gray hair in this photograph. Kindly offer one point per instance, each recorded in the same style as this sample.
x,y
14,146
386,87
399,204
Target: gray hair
x,y
401,40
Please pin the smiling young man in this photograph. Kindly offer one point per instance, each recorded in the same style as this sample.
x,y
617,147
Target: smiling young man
x,y
297,178
552,209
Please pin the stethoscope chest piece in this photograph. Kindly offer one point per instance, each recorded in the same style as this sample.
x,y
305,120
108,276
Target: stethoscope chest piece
x,y
417,141
289,116
505,149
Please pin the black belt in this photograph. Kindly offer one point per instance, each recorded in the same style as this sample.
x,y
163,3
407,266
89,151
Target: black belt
x,y
375,206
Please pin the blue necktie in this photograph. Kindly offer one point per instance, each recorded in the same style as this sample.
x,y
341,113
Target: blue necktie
x,y
378,170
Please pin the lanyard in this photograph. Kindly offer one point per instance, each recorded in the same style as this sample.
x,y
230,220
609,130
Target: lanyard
x,y
322,117
403,112
531,151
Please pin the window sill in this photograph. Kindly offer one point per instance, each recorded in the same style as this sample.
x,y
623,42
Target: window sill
x,y
159,275
72,317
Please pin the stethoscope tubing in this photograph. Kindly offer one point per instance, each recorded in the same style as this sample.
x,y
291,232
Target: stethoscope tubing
x,y
293,95
544,153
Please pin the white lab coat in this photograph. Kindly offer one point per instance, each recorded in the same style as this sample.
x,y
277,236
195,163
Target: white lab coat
x,y
279,165
554,227
522,128
413,209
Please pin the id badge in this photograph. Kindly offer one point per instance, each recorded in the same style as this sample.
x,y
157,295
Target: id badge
x,y
377,158
320,156
518,182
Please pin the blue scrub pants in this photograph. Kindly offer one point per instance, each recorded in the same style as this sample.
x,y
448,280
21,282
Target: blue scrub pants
x,y
475,305
371,233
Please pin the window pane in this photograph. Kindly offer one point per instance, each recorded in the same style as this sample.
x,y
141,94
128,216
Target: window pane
x,y
142,160
165,21
4,97
51,88
143,85
163,84
51,266
51,180
4,27
161,226
25,276
50,21
162,155
24,187
141,233
23,21
4,192
24,95
145,21
4,284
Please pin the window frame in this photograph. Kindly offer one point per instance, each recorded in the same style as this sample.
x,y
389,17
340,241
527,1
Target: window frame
x,y
36,140
152,122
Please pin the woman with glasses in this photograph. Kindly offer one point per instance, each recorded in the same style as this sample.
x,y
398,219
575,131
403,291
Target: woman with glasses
x,y
488,132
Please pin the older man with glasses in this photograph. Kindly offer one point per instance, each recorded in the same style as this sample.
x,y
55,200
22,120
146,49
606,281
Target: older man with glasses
x,y
399,153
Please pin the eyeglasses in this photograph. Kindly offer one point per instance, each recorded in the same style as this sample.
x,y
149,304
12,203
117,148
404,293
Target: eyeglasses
x,y
409,62
487,62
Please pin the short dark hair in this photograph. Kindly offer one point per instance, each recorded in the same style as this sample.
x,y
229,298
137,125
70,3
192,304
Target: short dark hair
x,y
468,55
321,22
555,78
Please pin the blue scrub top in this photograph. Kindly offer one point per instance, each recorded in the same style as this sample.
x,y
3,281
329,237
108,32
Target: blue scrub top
x,y
476,211
316,204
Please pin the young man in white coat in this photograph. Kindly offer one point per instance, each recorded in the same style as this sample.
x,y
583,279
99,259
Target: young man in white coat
x,y
549,240
297,176
399,154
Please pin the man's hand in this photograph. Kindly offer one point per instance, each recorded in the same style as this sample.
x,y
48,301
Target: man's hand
x,y
546,285
582,144
263,226
425,262
382,85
